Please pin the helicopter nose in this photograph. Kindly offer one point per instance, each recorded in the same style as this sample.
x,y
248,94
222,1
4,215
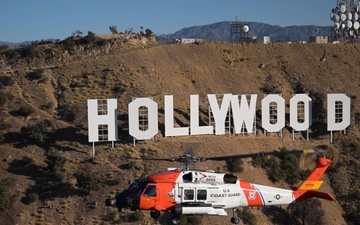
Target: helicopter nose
x,y
110,202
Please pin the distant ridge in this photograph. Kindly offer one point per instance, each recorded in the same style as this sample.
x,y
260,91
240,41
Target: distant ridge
x,y
220,32
12,44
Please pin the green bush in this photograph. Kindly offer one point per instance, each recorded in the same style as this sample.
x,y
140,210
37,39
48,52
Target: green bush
x,y
36,74
87,179
25,111
31,197
284,167
27,160
247,217
6,81
56,164
3,98
3,126
7,194
228,51
37,132
136,216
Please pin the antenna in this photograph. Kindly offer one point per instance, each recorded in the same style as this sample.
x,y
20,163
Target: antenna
x,y
345,16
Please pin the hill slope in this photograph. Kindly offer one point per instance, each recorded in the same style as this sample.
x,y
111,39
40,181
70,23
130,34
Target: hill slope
x,y
59,91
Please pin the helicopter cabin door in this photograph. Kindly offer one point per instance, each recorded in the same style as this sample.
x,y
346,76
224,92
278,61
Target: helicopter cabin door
x,y
151,197
194,194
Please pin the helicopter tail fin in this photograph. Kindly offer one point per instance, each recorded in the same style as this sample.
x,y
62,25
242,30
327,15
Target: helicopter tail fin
x,y
308,188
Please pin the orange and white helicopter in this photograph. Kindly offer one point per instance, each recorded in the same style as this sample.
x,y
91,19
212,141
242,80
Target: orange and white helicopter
x,y
189,192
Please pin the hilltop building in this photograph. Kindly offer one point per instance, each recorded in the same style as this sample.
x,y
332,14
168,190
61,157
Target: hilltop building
x,y
319,39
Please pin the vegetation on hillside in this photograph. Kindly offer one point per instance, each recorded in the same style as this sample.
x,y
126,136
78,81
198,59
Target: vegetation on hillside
x,y
43,123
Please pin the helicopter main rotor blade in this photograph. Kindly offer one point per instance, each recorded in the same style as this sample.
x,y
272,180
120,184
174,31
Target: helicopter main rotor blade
x,y
187,158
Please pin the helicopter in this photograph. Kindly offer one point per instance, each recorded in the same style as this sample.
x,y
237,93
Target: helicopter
x,y
206,192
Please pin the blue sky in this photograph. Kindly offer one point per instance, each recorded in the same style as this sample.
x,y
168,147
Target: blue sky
x,y
28,20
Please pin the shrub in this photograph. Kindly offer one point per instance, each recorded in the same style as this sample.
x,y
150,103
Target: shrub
x,y
3,126
285,167
7,194
31,197
27,160
56,164
228,51
35,75
6,81
87,179
3,98
307,212
25,111
247,217
37,132
136,216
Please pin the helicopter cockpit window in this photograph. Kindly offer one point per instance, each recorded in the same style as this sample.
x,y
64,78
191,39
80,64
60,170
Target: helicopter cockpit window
x,y
150,191
188,194
138,186
201,194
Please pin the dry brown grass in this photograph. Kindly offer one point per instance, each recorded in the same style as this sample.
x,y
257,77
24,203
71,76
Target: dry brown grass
x,y
178,70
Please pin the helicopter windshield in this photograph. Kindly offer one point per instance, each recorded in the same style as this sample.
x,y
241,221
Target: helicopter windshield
x,y
138,186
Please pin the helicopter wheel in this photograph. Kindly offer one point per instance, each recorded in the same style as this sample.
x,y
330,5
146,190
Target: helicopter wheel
x,y
175,220
235,220
155,214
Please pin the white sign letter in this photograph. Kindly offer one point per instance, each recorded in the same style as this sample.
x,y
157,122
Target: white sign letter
x,y
294,112
338,117
170,130
152,116
102,114
219,113
277,114
195,128
243,113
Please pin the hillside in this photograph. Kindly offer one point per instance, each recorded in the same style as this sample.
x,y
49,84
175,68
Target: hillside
x,y
44,108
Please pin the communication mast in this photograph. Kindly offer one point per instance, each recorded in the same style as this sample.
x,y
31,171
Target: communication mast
x,y
346,20
239,32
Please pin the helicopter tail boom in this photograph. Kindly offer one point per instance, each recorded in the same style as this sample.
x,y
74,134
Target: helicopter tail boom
x,y
308,188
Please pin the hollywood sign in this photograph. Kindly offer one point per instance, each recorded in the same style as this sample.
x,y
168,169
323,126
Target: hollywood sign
x,y
102,115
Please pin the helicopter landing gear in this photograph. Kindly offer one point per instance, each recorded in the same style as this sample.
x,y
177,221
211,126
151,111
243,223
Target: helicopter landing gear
x,y
175,220
235,219
155,214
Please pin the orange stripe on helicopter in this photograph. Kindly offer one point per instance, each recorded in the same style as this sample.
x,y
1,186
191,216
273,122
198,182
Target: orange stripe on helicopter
x,y
252,195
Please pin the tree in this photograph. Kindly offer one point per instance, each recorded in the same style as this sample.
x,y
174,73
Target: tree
x,y
113,29
77,33
129,30
7,194
148,33
306,213
87,179
38,131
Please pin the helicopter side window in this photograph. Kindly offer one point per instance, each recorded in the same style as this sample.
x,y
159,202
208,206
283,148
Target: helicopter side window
x,y
187,177
188,194
150,191
201,194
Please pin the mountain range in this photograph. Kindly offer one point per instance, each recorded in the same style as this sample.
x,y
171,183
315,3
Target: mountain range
x,y
221,32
